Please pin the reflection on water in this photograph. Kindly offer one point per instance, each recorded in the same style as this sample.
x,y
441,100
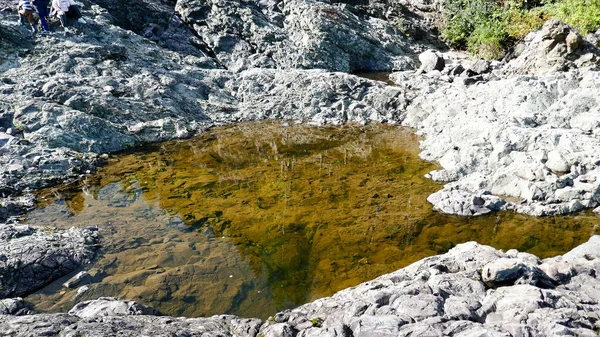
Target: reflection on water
x,y
259,217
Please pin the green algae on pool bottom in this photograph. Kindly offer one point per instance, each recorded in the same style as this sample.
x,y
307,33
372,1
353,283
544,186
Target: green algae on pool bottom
x,y
258,217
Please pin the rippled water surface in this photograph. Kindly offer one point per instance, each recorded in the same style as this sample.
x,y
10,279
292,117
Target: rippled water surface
x,y
259,217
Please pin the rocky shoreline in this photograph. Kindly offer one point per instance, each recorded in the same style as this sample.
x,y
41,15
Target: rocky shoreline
x,y
473,290
521,134
68,99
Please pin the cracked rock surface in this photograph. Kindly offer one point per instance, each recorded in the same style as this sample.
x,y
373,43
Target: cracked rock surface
x,y
31,257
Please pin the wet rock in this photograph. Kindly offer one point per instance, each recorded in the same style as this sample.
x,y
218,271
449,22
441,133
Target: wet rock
x,y
15,306
80,292
78,279
463,203
452,280
437,296
33,256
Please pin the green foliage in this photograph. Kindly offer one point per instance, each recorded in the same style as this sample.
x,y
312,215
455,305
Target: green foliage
x,y
522,22
487,39
583,15
317,322
477,25
487,28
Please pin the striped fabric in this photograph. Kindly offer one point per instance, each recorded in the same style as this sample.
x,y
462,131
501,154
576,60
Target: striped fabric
x,y
25,5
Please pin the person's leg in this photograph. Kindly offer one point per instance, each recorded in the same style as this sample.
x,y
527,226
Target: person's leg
x,y
63,20
74,12
29,17
43,12
31,20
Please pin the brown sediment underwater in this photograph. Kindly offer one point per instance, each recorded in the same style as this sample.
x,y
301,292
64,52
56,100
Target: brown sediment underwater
x,y
257,217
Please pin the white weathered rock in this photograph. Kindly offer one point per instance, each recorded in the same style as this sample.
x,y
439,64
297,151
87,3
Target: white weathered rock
x,y
556,162
512,136
77,279
546,51
431,61
15,306
503,270
109,306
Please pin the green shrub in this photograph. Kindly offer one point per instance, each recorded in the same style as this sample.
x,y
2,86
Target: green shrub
x,y
522,22
475,25
583,15
487,40
487,28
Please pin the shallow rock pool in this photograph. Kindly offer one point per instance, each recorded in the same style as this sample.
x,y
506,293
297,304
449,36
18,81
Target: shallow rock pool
x,y
258,217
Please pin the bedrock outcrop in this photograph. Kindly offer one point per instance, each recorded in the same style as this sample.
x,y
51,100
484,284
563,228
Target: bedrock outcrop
x,y
31,257
304,34
473,290
68,99
527,129
536,139
533,135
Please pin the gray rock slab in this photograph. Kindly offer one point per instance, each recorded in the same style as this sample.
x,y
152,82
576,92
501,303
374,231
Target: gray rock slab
x,y
110,306
31,257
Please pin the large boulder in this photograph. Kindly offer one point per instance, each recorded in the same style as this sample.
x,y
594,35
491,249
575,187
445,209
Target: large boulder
x,y
556,47
430,61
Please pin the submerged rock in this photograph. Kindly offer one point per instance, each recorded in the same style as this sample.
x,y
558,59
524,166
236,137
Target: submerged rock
x,y
76,280
107,89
